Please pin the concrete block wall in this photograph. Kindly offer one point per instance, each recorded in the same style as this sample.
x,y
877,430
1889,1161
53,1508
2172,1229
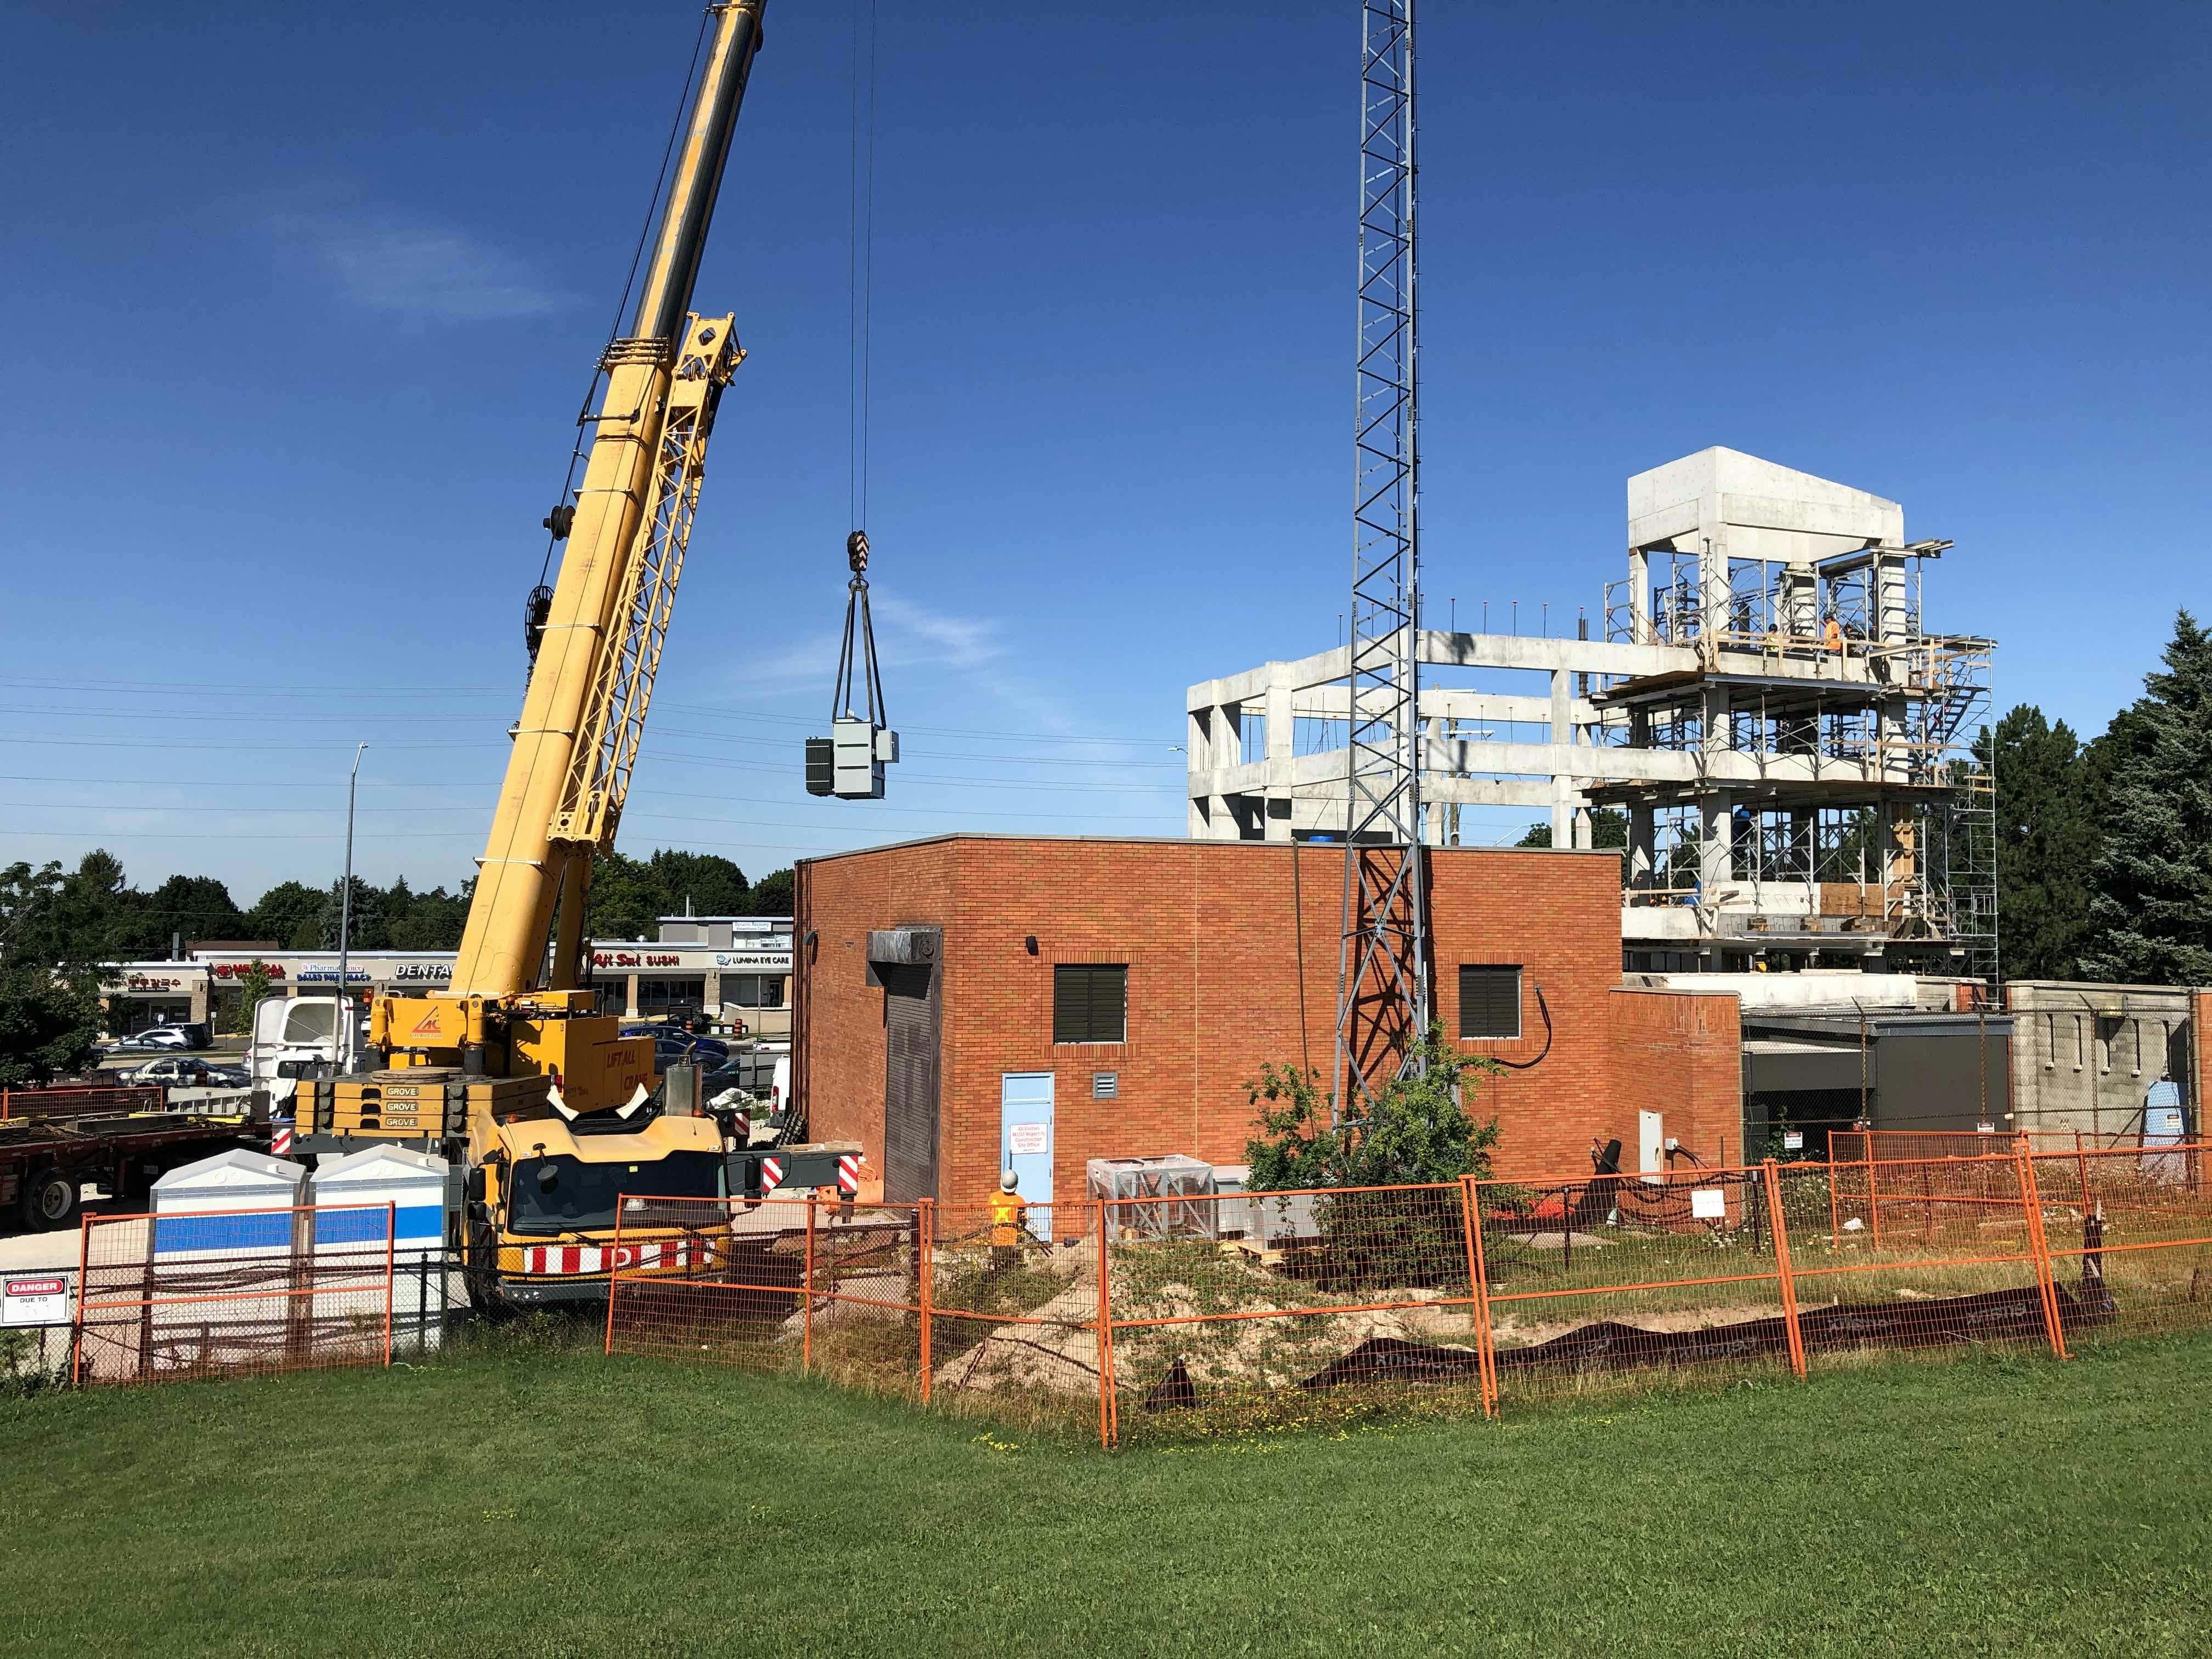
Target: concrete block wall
x,y
2087,1055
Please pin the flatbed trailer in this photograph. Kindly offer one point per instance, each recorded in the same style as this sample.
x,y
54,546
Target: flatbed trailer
x,y
45,1158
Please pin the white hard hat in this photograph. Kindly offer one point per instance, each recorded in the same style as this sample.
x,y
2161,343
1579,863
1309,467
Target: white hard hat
x,y
1007,1181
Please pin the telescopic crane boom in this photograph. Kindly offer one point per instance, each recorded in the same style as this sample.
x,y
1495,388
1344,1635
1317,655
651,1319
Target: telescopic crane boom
x,y
510,1010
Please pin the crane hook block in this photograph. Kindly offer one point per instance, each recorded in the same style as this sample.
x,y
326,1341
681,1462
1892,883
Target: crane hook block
x,y
849,763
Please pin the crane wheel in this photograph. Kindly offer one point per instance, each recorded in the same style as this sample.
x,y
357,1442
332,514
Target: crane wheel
x,y
49,1199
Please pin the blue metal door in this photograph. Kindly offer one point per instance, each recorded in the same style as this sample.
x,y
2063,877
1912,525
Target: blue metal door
x,y
1025,1140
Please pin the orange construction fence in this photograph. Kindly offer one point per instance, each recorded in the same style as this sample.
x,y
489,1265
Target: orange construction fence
x,y
232,1292
1236,1313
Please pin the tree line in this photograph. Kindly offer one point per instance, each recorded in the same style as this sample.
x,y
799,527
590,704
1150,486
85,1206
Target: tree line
x,y
58,927
93,914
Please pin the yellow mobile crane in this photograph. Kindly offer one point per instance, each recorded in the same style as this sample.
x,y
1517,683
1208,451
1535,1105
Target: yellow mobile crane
x,y
510,1073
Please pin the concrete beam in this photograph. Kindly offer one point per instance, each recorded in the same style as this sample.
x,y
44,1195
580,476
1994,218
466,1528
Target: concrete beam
x,y
1580,763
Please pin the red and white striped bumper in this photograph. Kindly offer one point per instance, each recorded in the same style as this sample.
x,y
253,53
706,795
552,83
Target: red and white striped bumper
x,y
553,1259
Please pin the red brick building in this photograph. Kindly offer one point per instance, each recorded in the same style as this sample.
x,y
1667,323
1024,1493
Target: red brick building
x,y
954,994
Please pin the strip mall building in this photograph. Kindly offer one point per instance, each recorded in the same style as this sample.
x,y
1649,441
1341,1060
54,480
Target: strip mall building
x,y
975,1000
731,968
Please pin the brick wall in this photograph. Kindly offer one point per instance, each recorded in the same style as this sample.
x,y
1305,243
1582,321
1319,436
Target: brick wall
x,y
1211,932
1679,1054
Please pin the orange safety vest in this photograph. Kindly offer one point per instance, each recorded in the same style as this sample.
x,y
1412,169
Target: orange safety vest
x,y
1008,1211
1834,637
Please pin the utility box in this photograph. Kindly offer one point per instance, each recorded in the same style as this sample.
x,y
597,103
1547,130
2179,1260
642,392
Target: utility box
x,y
860,773
1177,1191
226,1263
849,763
354,1197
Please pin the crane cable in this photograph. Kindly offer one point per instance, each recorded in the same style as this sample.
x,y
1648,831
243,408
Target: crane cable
x,y
540,606
857,656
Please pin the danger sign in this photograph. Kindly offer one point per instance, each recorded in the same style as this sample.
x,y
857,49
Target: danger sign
x,y
41,1301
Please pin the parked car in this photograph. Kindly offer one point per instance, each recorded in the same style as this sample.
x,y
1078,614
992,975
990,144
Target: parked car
x,y
162,1039
669,1051
173,1070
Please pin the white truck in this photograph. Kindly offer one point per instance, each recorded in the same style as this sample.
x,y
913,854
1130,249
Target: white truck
x,y
297,1038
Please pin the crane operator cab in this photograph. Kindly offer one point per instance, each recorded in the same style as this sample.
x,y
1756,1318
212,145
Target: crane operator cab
x,y
849,763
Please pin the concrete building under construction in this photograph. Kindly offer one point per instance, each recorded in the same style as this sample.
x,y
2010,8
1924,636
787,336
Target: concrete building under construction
x,y
1763,719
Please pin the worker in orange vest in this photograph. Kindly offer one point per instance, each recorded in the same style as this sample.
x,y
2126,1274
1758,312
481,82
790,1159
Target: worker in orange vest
x,y
1009,1223
1832,636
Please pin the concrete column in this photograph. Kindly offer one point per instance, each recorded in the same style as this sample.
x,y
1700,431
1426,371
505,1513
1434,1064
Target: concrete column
x,y
200,1000
1717,867
1195,752
1279,733
1642,846
1639,596
713,999
630,997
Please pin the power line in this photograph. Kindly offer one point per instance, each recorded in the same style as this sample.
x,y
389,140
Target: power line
x,y
507,692
478,807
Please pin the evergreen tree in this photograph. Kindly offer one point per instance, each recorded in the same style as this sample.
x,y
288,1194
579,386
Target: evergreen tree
x,y
431,921
363,922
2048,838
2150,905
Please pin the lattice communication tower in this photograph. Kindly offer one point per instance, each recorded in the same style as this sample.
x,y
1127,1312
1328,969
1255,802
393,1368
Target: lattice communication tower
x,y
1383,969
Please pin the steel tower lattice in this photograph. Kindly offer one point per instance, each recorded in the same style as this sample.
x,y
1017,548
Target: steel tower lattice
x,y
1382,967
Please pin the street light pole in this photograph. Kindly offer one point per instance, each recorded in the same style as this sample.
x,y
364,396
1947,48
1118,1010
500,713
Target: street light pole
x,y
345,1054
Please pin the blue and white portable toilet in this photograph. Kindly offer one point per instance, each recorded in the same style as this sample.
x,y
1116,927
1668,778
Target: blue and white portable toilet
x,y
225,1250
350,1194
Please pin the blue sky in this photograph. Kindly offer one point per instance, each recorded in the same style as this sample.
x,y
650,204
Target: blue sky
x,y
301,302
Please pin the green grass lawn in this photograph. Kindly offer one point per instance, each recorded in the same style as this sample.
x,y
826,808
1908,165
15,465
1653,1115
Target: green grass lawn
x,y
521,1502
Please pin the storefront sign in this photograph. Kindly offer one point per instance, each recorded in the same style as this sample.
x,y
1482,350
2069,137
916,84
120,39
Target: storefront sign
x,y
329,976
245,970
775,964
424,973
635,959
152,982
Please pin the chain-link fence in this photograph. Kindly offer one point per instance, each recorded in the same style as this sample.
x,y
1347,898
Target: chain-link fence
x,y
1205,1316
234,1292
776,1285
902,1299
1277,1308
